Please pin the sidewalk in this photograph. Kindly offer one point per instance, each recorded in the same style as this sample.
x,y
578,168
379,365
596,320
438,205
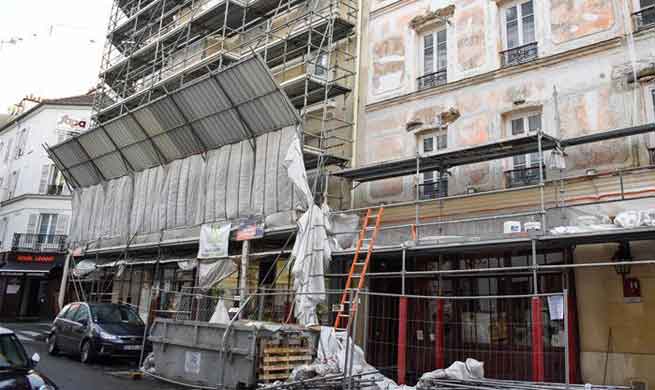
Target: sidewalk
x,y
29,331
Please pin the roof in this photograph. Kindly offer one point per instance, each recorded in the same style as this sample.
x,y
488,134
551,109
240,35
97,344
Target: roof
x,y
77,100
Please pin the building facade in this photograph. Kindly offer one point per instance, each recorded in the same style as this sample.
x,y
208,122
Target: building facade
x,y
446,82
36,204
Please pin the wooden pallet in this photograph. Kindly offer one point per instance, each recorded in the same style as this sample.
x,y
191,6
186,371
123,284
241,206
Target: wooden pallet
x,y
278,359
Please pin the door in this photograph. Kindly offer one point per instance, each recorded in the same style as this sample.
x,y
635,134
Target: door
x,y
79,327
64,327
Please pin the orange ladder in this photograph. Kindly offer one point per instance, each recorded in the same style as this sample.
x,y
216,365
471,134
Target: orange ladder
x,y
345,312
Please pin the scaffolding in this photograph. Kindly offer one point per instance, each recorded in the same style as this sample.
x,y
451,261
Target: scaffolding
x,y
157,46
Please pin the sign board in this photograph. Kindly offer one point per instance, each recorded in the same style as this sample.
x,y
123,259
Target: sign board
x,y
631,290
192,362
67,122
250,228
214,240
35,258
556,307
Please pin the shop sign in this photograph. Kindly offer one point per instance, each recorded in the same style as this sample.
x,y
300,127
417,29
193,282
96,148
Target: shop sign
x,y
35,258
214,240
250,228
69,123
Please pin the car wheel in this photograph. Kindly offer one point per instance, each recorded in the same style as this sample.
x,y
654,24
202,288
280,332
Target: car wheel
x,y
53,349
86,352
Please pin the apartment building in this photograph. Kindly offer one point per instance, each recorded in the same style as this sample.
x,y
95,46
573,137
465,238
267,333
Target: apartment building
x,y
506,141
35,205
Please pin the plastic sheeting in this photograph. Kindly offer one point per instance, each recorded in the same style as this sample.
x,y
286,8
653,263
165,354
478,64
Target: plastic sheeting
x,y
212,272
331,359
312,253
232,182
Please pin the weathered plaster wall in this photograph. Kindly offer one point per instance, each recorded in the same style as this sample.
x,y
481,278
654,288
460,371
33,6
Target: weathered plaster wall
x,y
593,95
605,319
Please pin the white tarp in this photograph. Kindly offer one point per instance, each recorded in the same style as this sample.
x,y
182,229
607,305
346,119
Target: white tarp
x,y
214,240
212,272
331,359
220,315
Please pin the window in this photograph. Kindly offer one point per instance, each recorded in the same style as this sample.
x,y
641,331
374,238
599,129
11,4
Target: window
x,y
13,183
321,65
22,143
82,314
434,141
433,185
47,224
72,311
434,59
525,167
12,354
519,34
52,181
645,17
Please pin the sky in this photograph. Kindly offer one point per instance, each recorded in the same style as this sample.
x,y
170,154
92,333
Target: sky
x,y
50,48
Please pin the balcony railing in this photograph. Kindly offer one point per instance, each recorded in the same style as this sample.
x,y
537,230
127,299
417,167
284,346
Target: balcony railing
x,y
433,189
55,189
432,79
30,242
519,55
524,176
644,18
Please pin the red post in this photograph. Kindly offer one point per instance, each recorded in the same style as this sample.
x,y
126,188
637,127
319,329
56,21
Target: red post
x,y
573,347
402,340
537,341
439,357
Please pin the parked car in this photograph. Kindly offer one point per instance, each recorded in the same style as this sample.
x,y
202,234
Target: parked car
x,y
95,330
17,371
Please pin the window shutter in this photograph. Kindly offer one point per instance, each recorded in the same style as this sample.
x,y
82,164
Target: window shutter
x,y
31,223
8,153
62,224
428,54
43,184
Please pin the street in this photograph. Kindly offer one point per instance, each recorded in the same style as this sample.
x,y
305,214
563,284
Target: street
x,y
69,374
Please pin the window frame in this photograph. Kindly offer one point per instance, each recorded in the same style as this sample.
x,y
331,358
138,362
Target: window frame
x,y
524,116
435,50
519,18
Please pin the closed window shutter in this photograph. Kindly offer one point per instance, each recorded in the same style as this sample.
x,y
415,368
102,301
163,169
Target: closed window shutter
x,y
8,153
31,223
62,224
43,184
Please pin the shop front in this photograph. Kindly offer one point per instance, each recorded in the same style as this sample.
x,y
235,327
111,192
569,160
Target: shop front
x,y
29,285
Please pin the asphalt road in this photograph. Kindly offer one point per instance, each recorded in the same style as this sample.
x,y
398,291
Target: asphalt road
x,y
69,374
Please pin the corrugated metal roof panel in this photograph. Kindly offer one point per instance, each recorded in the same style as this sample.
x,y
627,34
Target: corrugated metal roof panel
x,y
237,103
96,143
112,166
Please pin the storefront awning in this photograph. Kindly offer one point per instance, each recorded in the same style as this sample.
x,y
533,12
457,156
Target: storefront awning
x,y
33,266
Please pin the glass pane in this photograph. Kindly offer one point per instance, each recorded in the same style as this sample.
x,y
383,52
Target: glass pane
x,y
534,122
428,54
442,56
428,177
527,9
519,161
512,34
428,144
443,141
534,159
510,14
528,29
517,126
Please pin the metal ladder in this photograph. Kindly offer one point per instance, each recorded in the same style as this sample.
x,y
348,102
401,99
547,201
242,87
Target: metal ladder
x,y
346,308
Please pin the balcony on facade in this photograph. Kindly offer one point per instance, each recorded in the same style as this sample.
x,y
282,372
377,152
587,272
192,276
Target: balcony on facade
x,y
524,176
433,189
32,242
644,18
519,55
432,79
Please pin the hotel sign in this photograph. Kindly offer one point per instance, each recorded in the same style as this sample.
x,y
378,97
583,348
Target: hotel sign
x,y
35,258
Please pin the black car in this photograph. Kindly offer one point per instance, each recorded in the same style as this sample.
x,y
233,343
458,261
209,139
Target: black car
x,y
97,330
16,369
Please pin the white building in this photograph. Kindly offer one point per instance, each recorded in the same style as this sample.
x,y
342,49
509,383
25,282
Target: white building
x,y
35,203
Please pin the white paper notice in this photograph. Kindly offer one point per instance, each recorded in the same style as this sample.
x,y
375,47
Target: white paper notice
x,y
556,307
192,362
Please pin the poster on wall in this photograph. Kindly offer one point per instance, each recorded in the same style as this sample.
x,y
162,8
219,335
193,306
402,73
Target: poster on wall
x,y
214,240
250,228
68,122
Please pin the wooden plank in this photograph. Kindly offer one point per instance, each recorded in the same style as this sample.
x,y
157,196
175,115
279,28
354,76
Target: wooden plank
x,y
293,358
273,376
284,367
277,350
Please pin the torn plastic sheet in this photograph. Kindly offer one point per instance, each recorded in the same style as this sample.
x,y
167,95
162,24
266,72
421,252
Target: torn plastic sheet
x,y
212,272
312,253
220,315
331,359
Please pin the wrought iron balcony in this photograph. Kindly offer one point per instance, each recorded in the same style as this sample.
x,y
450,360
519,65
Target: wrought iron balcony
x,y
30,242
524,176
432,79
644,18
55,189
433,189
519,55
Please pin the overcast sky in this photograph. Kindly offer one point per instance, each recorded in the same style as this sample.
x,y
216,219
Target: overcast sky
x,y
57,50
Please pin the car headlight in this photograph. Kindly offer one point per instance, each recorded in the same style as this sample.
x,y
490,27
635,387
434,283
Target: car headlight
x,y
46,387
106,336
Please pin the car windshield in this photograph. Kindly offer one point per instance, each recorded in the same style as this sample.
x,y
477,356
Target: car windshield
x,y
12,354
111,314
